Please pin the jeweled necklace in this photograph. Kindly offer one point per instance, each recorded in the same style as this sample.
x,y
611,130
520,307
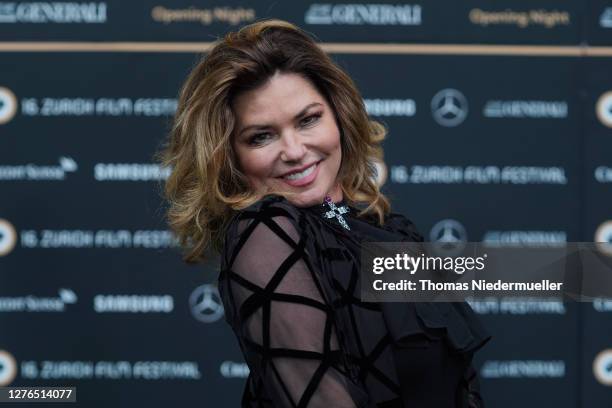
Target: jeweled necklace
x,y
336,212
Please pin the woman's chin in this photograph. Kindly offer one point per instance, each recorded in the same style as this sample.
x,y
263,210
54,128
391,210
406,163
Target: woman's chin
x,y
300,201
301,196
306,199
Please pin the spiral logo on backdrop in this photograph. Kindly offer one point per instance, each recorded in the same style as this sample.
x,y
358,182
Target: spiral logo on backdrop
x,y
8,368
205,303
8,105
8,237
604,109
602,367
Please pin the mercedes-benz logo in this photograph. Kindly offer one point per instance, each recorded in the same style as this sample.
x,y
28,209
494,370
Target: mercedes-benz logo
x,y
449,107
449,236
205,303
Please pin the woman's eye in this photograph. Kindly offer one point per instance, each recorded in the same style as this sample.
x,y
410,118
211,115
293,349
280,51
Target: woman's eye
x,y
311,119
261,138
258,138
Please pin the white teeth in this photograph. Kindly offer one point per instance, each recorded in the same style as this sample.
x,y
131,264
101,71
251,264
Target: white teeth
x,y
296,176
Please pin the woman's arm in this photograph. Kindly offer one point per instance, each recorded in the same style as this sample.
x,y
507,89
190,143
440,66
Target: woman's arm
x,y
283,323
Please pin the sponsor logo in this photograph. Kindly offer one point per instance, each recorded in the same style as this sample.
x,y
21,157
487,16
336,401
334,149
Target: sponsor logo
x,y
603,109
602,305
380,172
442,174
602,367
517,306
34,172
364,14
448,231
227,15
110,370
133,303
603,174
53,12
8,105
526,109
205,303
509,238
146,239
8,237
130,172
31,303
450,235
232,369
605,20
522,19
603,235
390,107
523,369
8,368
53,107
449,107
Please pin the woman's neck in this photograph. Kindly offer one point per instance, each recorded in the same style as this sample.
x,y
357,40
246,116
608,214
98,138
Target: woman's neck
x,y
336,193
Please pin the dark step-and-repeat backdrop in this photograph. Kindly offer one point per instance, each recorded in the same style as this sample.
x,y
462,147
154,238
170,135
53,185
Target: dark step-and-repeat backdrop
x,y
500,130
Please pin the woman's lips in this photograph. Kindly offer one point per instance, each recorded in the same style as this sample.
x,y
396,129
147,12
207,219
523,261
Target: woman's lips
x,y
304,181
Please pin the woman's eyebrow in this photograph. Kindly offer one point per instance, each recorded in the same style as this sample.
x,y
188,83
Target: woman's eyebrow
x,y
299,115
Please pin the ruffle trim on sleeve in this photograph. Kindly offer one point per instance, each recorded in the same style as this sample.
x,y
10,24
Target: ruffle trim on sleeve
x,y
417,324
401,225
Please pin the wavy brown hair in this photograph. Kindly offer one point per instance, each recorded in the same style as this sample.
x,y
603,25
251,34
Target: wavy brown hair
x,y
206,186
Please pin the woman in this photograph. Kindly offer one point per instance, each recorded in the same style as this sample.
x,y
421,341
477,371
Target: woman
x,y
272,154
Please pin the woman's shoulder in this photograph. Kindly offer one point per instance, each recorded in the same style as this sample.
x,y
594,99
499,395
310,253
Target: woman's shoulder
x,y
276,215
268,207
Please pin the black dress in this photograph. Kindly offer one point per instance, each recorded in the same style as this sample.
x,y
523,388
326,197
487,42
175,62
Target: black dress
x,y
290,286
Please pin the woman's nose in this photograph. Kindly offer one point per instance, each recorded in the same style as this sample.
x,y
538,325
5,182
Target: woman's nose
x,y
292,147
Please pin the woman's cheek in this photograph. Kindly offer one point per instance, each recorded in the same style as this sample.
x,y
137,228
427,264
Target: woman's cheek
x,y
260,164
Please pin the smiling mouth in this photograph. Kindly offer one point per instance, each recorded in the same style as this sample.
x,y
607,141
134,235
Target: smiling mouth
x,y
304,177
301,174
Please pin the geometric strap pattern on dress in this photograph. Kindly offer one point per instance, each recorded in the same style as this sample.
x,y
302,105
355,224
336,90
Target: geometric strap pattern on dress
x,y
284,325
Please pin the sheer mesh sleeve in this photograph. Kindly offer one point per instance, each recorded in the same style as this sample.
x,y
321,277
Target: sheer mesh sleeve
x,y
284,325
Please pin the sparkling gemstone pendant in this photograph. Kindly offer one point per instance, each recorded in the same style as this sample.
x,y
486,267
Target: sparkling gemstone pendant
x,y
336,212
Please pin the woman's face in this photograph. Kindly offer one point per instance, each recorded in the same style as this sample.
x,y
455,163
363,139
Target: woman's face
x,y
286,137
